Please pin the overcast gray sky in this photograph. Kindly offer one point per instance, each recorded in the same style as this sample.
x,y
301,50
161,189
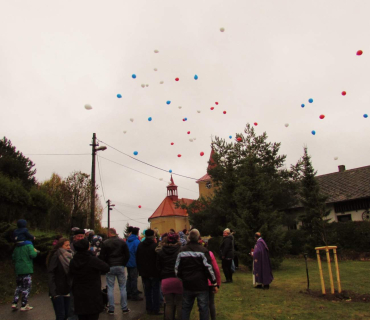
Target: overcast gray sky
x,y
58,56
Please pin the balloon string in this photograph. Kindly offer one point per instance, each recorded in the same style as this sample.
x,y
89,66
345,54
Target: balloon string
x,y
148,164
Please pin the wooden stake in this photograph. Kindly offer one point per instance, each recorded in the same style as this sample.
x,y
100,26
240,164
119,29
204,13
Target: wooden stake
x,y
337,270
320,269
329,269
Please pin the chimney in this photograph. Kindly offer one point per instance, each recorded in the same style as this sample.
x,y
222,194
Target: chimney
x,y
341,168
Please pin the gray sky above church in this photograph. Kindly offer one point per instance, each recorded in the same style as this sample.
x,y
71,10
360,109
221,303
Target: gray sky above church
x,y
273,56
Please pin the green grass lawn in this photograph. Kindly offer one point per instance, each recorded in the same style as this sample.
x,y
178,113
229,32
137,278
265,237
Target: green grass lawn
x,y
240,300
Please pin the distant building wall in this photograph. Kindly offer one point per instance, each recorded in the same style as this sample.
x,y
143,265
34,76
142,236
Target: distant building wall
x,y
164,224
204,191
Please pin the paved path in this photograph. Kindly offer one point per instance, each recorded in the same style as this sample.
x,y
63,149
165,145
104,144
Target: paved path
x,y
43,309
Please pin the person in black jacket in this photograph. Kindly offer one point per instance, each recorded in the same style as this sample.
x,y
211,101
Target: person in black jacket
x,y
115,252
171,286
227,255
85,270
59,280
194,268
146,265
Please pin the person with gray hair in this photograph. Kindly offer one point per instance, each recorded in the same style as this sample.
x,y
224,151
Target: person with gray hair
x,y
194,267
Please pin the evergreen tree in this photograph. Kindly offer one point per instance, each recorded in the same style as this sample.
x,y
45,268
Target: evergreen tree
x,y
314,220
125,232
15,165
252,189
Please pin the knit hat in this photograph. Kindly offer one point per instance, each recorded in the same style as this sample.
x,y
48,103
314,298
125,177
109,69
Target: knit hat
x,y
149,233
82,245
172,237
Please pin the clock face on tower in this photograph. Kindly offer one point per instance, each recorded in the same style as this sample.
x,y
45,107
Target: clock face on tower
x,y
208,185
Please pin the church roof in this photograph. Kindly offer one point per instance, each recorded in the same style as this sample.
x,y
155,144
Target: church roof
x,y
167,208
172,184
206,177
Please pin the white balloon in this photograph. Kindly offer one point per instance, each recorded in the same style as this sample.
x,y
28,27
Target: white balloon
x,y
155,69
88,107
287,125
156,51
161,82
180,107
161,179
132,119
335,158
191,140
194,139
124,132
198,111
147,85
143,85
222,29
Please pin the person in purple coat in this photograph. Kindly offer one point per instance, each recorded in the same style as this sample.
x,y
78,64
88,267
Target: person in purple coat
x,y
261,263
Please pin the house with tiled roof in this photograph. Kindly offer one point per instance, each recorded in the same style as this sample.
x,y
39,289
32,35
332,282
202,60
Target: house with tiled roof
x,y
167,216
348,194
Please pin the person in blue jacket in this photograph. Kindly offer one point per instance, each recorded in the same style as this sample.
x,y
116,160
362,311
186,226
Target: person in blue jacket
x,y
132,274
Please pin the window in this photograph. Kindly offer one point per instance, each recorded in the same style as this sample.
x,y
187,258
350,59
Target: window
x,y
344,218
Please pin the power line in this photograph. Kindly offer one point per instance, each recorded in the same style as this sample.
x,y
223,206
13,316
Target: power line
x,y
128,217
148,164
101,182
58,154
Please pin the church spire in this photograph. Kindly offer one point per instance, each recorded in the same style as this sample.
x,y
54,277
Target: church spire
x,y
172,190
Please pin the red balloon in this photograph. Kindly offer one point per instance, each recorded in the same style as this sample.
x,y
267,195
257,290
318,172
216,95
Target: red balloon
x,y
139,207
183,119
359,52
179,155
256,124
224,112
322,116
202,154
212,108
171,143
177,79
239,139
216,103
344,93
188,132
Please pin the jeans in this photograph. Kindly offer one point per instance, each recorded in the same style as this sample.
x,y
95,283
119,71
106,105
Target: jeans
x,y
132,276
226,266
119,272
173,305
188,298
71,312
152,293
61,307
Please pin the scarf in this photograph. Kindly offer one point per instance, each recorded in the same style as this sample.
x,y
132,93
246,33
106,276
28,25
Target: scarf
x,y
65,257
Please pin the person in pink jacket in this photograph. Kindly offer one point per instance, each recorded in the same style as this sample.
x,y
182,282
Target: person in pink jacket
x,y
212,307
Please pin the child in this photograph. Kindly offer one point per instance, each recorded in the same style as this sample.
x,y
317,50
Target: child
x,y
21,234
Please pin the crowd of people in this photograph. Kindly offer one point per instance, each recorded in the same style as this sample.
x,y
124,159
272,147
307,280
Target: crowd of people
x,y
176,268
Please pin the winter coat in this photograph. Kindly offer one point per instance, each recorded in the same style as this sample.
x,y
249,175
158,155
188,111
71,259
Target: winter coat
x,y
85,270
166,259
194,267
59,282
146,259
216,270
22,258
132,242
227,247
22,234
115,252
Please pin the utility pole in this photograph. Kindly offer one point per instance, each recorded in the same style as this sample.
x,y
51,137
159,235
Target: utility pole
x,y
93,188
109,209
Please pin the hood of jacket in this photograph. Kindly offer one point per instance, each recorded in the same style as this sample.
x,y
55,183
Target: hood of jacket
x,y
21,223
81,259
171,249
132,238
148,242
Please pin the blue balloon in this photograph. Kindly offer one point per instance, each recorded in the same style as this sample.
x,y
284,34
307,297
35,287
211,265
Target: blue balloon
x,y
310,100
168,102
195,77
119,96
136,153
170,171
230,137
133,76
302,105
365,115
150,119
313,132
186,119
